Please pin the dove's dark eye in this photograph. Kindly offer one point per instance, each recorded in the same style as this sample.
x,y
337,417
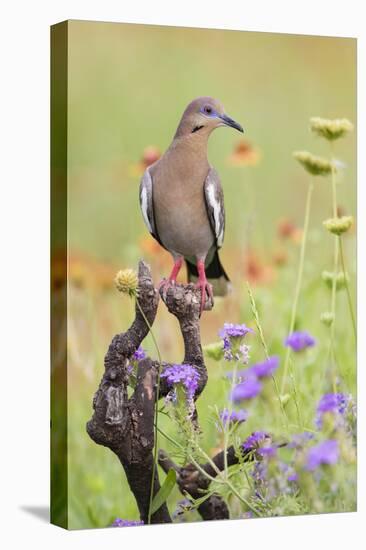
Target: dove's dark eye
x,y
208,110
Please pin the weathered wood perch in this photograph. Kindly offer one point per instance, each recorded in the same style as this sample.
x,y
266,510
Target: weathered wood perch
x,y
126,425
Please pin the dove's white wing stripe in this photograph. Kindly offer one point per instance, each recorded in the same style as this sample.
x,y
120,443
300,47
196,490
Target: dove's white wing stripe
x,y
146,201
144,208
147,204
215,205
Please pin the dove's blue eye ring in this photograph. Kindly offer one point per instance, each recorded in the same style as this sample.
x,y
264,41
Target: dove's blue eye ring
x,y
208,110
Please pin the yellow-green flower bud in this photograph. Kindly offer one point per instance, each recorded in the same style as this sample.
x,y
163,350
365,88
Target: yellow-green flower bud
x,y
340,279
330,129
317,166
285,399
214,351
337,226
327,318
126,281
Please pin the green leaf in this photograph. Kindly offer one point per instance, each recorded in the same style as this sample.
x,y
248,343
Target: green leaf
x,y
164,491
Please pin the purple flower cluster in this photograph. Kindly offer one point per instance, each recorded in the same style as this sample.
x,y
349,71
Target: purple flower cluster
x,y
234,416
118,522
272,477
248,389
259,473
334,403
299,341
266,368
259,370
230,330
250,385
276,471
326,452
182,374
255,440
139,354
234,348
268,452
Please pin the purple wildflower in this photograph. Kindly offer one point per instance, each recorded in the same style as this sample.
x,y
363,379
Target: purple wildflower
x,y
234,416
259,473
326,452
118,522
230,330
139,354
272,477
267,452
248,389
292,477
254,440
227,345
299,341
335,403
267,368
182,374
233,335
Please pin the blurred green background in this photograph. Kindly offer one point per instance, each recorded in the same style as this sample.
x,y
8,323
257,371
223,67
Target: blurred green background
x,y
127,88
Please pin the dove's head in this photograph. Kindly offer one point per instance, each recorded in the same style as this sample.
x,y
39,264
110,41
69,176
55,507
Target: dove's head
x,y
203,115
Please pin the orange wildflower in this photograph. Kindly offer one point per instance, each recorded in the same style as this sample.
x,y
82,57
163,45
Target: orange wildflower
x,y
286,229
150,155
256,271
244,154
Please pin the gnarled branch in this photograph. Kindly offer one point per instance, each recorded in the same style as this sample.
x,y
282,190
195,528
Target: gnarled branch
x,y
126,425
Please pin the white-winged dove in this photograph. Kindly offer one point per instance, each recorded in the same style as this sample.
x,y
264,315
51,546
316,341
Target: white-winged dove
x,y
182,200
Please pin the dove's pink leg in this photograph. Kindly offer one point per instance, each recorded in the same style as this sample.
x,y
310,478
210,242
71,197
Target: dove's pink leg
x,y
172,279
203,284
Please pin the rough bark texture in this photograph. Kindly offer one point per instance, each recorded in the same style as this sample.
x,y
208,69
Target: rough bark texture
x,y
126,425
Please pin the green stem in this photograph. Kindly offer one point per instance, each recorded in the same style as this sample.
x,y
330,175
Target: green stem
x,y
298,281
261,336
298,411
226,425
335,269
242,499
156,410
347,288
